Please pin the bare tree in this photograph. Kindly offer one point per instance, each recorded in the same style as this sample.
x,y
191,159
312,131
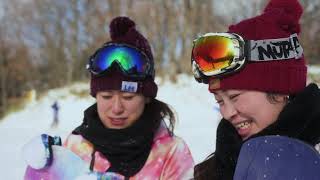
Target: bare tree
x,y
3,72
54,39
310,30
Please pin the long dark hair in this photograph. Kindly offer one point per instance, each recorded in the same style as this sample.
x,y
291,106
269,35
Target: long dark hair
x,y
158,111
207,169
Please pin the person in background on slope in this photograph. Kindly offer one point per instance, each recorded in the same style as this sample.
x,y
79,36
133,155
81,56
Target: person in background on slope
x,y
124,133
257,73
55,108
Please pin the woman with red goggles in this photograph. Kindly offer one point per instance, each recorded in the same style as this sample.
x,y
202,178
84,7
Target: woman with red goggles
x,y
271,118
124,134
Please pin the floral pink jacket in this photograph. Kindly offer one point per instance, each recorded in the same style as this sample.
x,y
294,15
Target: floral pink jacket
x,y
169,159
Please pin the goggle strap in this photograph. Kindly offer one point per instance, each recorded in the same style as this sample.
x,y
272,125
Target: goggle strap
x,y
275,49
247,48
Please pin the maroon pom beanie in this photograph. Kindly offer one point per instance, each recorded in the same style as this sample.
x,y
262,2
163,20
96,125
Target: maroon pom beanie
x,y
280,19
123,31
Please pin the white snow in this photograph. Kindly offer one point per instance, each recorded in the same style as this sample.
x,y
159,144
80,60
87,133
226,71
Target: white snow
x,y
314,69
197,113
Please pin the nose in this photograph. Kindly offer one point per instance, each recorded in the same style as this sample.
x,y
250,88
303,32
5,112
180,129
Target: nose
x,y
117,106
228,111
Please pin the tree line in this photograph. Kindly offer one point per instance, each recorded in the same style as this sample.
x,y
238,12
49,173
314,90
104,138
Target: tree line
x,y
45,44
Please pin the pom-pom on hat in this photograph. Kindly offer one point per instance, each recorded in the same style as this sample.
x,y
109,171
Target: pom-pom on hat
x,y
123,31
280,19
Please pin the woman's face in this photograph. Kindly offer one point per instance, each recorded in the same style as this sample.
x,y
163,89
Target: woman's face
x,y
119,110
249,111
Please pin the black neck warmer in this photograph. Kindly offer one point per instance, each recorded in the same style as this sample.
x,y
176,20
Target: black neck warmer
x,y
126,149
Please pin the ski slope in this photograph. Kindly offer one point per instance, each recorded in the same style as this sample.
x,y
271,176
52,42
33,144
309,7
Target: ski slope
x,y
195,107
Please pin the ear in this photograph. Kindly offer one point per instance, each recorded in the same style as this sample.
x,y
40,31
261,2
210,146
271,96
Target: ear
x,y
282,98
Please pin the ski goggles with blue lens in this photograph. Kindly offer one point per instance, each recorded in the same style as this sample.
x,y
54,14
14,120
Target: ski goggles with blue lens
x,y
130,60
221,54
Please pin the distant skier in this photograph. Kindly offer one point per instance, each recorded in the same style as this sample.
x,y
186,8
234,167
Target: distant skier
x,y
55,107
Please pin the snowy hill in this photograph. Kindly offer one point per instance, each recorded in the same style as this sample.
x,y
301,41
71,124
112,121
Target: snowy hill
x,y
197,120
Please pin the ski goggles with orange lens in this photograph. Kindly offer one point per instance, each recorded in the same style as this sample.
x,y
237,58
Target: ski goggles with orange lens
x,y
131,61
221,54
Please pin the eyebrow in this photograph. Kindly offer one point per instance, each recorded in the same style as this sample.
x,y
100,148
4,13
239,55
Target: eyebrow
x,y
216,93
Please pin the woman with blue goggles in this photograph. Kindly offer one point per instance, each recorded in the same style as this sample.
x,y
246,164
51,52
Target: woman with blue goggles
x,y
124,135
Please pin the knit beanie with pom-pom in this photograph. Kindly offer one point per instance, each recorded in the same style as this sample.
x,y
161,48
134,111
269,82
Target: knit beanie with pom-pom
x,y
123,31
280,19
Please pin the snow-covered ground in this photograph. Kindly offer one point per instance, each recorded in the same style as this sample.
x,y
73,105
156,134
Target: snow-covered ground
x,y
195,106
314,69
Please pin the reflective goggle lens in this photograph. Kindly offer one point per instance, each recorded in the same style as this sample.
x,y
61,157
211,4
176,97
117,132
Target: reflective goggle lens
x,y
131,60
213,53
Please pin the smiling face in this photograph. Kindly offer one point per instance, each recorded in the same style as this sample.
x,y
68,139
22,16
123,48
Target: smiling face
x,y
119,110
249,111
